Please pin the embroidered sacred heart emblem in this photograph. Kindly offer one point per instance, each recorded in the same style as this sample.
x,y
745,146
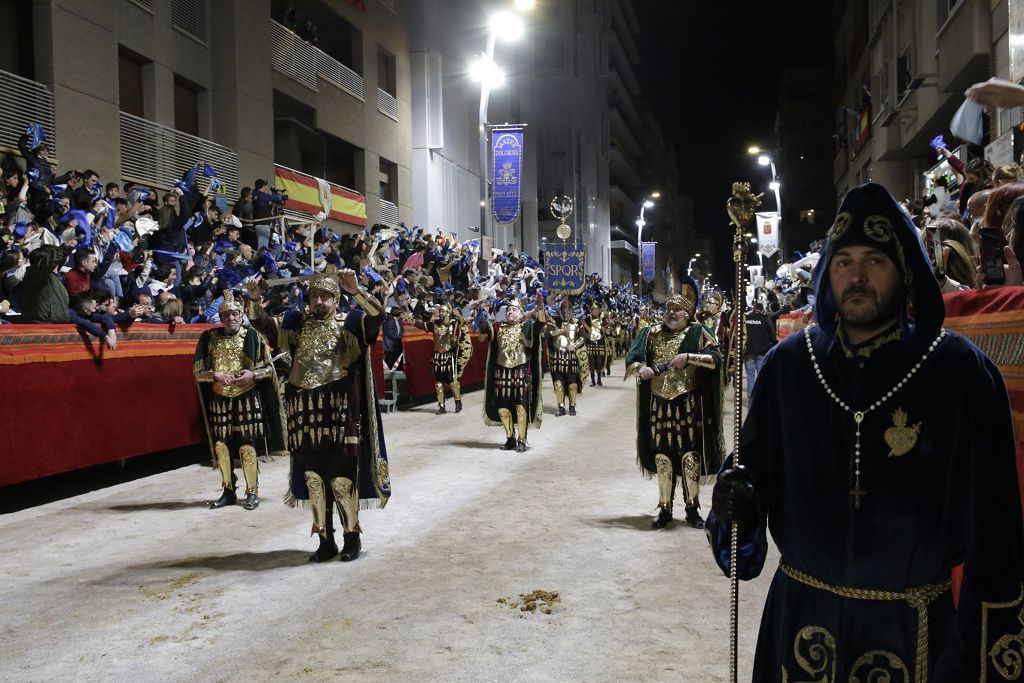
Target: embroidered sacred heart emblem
x,y
901,438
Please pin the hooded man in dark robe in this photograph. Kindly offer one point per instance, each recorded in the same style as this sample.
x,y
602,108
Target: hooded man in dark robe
x,y
879,452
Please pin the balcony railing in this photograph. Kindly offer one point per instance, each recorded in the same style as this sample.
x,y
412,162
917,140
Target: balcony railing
x,y
25,102
387,104
158,155
303,62
388,213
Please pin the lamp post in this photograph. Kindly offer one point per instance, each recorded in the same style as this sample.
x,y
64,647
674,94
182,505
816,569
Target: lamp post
x,y
491,76
689,266
640,223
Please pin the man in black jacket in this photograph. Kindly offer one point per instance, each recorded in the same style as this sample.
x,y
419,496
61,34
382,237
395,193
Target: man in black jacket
x,y
760,338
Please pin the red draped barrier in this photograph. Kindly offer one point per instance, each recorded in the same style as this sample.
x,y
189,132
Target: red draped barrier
x,y
788,323
68,402
418,347
994,321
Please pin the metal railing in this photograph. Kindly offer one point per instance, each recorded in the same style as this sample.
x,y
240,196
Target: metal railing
x,y
25,102
388,213
299,60
158,155
387,104
190,17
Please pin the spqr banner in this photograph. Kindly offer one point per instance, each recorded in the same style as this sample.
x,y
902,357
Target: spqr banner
x,y
647,259
564,266
507,148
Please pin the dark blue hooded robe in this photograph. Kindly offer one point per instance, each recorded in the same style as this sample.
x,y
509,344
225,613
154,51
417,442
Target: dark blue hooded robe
x,y
863,594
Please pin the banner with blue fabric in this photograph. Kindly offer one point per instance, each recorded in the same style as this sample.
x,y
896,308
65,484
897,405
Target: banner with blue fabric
x,y
647,260
565,267
507,150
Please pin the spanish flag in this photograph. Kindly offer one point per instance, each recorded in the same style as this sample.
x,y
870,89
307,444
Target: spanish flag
x,y
313,195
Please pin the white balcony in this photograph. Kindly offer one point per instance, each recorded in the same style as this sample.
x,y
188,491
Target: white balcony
x,y
157,156
388,213
387,104
25,102
303,62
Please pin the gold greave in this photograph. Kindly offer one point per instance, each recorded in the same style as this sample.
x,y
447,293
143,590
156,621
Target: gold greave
x,y
439,388
250,469
456,390
521,420
317,502
666,480
574,390
348,503
691,478
559,392
220,449
506,421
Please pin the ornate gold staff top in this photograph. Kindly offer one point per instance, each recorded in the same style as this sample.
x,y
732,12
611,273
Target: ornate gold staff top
x,y
741,207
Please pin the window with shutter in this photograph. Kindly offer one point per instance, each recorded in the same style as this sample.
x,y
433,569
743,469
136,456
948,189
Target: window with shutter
x,y
186,107
129,76
190,17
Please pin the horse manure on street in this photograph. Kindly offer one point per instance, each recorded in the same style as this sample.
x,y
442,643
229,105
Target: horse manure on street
x,y
536,601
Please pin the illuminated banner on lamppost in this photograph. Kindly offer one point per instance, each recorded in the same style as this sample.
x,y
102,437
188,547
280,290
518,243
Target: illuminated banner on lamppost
x,y
507,149
564,267
768,232
647,260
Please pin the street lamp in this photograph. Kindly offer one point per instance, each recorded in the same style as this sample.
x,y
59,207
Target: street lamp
x,y
774,185
689,266
640,223
510,27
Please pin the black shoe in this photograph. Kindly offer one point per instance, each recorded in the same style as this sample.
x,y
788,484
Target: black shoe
x,y
458,406
521,447
694,519
572,410
599,382
664,517
252,501
441,410
592,382
328,549
350,549
510,444
561,411
226,498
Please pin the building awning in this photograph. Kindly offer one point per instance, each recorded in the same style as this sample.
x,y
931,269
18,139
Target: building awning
x,y
312,196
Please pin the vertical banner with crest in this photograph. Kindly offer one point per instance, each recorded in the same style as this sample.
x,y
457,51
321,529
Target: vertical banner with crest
x,y
564,267
507,150
647,260
768,232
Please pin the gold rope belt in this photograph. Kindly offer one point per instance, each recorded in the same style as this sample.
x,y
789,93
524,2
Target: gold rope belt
x,y
918,597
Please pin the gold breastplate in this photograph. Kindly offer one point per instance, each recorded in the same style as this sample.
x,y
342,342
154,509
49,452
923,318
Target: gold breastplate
x,y
567,340
671,383
511,348
595,329
227,354
323,354
444,335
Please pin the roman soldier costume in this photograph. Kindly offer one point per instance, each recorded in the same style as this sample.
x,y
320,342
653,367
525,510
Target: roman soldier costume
x,y
597,345
241,403
567,356
679,406
512,380
334,429
453,348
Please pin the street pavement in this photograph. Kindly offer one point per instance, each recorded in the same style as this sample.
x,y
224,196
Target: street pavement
x,y
141,580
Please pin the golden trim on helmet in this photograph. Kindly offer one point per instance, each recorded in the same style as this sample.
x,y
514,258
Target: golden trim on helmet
x,y
327,281
229,303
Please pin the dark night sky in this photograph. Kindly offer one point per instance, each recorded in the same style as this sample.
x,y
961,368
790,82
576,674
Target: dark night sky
x,y
710,71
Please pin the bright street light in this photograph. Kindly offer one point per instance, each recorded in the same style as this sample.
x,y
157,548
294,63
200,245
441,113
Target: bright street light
x,y
753,149
655,195
648,204
696,255
774,186
525,5
487,72
507,25
764,160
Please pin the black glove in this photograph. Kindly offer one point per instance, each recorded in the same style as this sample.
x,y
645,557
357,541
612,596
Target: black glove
x,y
734,498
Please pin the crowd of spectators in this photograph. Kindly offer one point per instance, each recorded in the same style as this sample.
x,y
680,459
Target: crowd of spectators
x,y
102,256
